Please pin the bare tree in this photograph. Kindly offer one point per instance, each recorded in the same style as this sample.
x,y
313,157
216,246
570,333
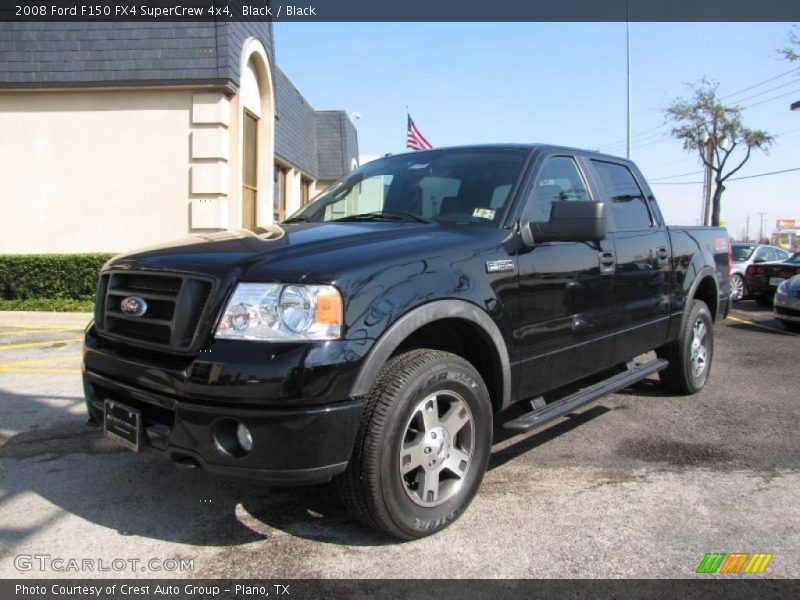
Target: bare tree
x,y
716,132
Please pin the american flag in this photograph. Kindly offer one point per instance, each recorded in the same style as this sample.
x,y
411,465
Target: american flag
x,y
414,139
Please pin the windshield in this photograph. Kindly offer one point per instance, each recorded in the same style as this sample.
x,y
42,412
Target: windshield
x,y
742,253
452,186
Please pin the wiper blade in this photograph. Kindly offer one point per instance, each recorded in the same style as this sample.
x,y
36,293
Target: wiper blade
x,y
297,220
385,215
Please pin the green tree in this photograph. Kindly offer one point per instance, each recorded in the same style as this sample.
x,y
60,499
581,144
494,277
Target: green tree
x,y
792,51
704,124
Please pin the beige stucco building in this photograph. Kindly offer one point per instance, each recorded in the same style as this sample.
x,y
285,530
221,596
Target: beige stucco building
x,y
116,138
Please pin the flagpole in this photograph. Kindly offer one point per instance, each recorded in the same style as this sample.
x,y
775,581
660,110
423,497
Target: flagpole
x,y
405,142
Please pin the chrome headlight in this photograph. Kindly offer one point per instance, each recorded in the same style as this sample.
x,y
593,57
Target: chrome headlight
x,y
783,288
277,312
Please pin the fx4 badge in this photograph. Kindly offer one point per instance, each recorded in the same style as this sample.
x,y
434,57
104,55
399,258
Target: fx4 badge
x,y
500,266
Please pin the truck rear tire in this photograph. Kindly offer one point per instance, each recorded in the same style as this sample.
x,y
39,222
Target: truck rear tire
x,y
691,354
422,447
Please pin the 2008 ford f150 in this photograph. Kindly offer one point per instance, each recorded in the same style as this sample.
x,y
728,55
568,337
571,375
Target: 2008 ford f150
x,y
373,336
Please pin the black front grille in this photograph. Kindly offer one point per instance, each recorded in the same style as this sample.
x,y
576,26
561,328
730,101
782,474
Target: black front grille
x,y
153,284
176,305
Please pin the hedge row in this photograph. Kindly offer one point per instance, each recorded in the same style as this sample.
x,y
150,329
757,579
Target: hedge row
x,y
55,276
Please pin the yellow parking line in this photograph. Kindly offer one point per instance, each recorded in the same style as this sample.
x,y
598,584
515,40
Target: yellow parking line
x,y
40,361
36,344
39,331
759,325
43,371
41,327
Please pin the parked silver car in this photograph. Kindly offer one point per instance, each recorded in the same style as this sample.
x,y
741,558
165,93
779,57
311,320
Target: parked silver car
x,y
745,254
787,303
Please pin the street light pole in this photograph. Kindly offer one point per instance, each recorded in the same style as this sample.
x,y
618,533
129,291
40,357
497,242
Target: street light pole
x,y
628,56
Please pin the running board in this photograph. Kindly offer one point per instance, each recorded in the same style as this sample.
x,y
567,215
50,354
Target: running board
x,y
567,404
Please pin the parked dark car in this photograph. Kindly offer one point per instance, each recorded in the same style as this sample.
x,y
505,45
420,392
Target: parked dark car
x,y
376,335
787,303
746,254
762,280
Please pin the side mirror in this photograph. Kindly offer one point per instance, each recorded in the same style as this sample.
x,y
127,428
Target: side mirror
x,y
570,222
757,261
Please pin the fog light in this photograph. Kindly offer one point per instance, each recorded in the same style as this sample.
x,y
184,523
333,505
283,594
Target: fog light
x,y
244,437
231,438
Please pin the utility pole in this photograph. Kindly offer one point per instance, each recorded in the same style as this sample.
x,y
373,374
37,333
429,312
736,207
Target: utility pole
x,y
709,173
761,226
747,231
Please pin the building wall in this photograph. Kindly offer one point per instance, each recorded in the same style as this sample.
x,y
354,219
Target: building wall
x,y
93,171
295,127
121,135
337,144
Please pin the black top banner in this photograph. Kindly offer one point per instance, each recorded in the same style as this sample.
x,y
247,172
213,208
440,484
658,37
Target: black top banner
x,y
401,10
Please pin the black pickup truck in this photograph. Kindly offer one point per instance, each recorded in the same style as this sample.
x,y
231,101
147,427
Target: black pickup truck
x,y
373,336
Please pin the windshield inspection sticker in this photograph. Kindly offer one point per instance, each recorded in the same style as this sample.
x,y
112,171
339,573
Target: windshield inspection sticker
x,y
483,213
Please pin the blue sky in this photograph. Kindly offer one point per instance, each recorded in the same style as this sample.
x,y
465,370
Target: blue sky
x,y
560,83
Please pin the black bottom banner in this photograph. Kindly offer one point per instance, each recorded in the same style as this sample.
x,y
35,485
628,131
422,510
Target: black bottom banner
x,y
392,589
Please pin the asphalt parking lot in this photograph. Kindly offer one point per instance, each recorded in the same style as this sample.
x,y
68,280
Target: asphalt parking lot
x,y
640,484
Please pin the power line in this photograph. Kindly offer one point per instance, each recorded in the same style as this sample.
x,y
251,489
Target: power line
x,y
731,179
764,174
760,83
736,93
675,176
640,140
772,89
665,136
640,135
661,178
670,163
773,98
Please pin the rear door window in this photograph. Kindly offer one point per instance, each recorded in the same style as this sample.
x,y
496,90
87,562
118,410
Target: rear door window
x,y
628,204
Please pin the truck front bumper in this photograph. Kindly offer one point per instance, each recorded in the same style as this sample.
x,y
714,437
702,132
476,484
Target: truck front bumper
x,y
292,442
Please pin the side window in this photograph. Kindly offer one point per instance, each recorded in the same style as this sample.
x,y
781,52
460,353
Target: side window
x,y
781,255
762,254
558,181
627,200
771,254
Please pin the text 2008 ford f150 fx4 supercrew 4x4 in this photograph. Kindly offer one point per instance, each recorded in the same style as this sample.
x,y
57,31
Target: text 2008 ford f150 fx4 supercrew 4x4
x,y
373,336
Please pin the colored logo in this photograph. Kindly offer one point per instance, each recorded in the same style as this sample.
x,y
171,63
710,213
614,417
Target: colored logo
x,y
734,563
133,306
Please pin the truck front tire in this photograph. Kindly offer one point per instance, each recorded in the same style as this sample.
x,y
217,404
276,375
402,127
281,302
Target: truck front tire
x,y
423,445
690,356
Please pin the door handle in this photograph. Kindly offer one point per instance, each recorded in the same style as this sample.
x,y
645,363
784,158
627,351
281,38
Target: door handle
x,y
607,261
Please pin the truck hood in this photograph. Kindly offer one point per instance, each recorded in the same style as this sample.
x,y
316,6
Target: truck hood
x,y
292,252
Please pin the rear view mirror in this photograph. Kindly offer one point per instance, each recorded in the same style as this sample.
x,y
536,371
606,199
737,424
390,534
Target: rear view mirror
x,y
571,222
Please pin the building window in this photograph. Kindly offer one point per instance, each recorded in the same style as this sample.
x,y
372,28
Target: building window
x,y
279,197
249,169
305,190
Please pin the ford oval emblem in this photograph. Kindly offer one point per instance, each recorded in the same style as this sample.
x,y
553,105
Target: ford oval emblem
x,y
133,306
